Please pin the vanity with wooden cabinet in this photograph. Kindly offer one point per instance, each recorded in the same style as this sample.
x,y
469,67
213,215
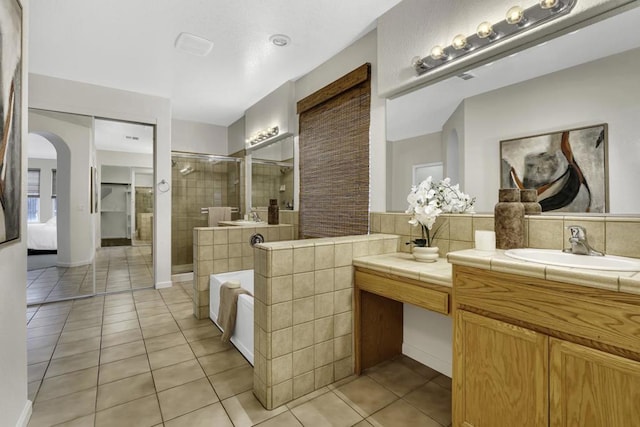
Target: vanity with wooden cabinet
x,y
529,351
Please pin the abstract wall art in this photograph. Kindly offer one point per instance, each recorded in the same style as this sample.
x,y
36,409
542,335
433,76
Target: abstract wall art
x,y
10,120
567,168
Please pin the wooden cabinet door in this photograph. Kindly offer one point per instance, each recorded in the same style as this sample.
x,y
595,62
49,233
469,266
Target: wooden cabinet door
x,y
590,388
500,374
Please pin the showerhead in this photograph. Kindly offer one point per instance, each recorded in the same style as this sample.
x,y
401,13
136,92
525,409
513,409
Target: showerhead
x,y
173,163
186,170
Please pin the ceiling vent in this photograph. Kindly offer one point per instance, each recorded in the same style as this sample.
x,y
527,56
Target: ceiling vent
x,y
193,44
135,138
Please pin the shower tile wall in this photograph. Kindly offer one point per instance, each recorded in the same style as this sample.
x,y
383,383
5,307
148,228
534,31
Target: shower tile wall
x,y
144,213
207,185
266,181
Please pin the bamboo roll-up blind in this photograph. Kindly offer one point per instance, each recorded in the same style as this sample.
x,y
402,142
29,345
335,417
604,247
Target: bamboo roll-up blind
x,y
334,157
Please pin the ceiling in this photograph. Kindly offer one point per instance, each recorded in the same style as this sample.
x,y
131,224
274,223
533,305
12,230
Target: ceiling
x,y
129,45
112,135
424,111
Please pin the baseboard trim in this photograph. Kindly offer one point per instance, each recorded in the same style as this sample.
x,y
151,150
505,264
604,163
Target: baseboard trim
x,y
182,277
162,285
25,416
436,363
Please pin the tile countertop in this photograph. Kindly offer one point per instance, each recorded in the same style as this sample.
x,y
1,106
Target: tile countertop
x,y
618,281
402,264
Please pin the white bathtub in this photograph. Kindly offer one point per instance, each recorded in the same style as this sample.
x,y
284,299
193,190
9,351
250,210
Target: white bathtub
x,y
242,337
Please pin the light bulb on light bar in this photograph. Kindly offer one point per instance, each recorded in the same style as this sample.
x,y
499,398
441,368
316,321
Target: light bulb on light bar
x,y
460,42
437,52
515,15
484,30
549,4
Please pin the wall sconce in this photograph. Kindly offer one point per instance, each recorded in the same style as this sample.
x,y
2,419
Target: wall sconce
x,y
263,135
516,21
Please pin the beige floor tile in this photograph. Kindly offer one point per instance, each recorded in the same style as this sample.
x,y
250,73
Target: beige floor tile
x,y
245,410
443,381
76,347
45,330
197,334
170,356
123,369
186,398
232,382
109,311
286,419
86,421
143,412
192,322
78,362
38,321
44,341
414,365
36,371
122,351
307,397
155,320
40,354
164,341
124,390
80,334
178,374
125,325
121,337
401,414
153,311
327,409
67,384
433,400
65,408
365,395
223,361
209,346
163,328
74,325
119,317
32,390
363,423
212,415
396,377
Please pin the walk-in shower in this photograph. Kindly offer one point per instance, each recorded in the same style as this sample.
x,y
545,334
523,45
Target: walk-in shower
x,y
199,181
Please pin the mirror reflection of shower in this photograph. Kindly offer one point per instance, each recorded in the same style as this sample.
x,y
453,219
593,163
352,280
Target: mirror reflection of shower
x,y
200,181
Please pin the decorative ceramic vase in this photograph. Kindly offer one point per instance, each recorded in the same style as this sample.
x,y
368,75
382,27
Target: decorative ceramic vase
x,y
425,253
509,219
529,199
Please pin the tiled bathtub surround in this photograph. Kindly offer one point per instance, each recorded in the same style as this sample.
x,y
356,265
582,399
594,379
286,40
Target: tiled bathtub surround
x,y
615,235
303,313
224,249
285,216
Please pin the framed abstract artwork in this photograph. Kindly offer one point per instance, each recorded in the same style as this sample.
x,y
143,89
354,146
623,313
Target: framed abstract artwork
x,y
10,122
567,168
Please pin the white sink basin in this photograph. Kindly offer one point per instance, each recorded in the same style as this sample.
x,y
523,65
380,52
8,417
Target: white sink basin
x,y
562,259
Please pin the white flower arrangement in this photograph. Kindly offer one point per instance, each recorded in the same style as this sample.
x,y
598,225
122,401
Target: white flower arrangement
x,y
428,200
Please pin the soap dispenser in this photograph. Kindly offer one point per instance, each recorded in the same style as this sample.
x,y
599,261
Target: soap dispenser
x,y
273,213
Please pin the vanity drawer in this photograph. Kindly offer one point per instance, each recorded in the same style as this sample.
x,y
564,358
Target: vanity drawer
x,y
557,309
404,291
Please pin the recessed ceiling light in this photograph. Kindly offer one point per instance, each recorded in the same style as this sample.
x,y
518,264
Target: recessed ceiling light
x,y
280,40
195,45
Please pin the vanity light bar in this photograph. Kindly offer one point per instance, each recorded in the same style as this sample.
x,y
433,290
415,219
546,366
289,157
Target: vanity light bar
x,y
517,20
263,135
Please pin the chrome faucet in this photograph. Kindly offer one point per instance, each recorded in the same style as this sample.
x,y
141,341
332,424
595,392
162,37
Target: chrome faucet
x,y
255,217
579,243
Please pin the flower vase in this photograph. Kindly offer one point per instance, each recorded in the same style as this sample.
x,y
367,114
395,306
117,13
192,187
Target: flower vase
x,y
425,253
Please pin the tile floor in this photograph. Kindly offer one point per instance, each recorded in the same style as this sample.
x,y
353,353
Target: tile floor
x,y
117,268
141,359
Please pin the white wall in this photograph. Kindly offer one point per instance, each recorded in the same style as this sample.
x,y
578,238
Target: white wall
x,y
362,51
15,409
276,109
413,27
46,204
68,96
603,91
236,135
194,137
74,248
428,338
402,156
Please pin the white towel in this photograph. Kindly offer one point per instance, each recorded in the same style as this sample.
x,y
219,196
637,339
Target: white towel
x,y
217,214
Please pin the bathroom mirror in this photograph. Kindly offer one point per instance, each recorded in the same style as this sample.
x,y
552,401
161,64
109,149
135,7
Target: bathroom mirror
x,y
579,79
272,173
